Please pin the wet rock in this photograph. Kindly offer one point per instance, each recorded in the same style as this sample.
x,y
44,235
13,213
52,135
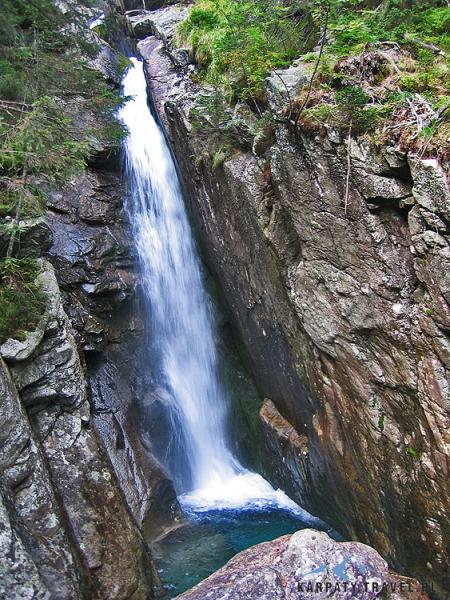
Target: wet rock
x,y
285,446
94,260
119,387
308,564
92,252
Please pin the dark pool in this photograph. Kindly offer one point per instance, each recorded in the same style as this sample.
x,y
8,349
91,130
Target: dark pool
x,y
209,539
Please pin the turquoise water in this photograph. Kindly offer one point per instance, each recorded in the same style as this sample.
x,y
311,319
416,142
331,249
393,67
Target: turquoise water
x,y
209,539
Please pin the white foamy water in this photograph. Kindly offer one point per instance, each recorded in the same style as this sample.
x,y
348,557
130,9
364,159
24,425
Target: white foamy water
x,y
182,324
244,491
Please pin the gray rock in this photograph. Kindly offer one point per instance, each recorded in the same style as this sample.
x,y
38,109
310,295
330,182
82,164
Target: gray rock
x,y
430,185
308,564
342,315
25,479
162,23
283,85
52,385
19,577
106,62
130,429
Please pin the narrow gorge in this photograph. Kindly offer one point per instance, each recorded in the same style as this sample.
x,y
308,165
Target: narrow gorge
x,y
224,301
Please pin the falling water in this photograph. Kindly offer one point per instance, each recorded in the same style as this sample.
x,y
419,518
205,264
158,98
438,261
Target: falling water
x,y
182,324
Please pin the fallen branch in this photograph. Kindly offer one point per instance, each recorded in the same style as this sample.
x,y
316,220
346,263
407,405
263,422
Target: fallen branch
x,y
425,45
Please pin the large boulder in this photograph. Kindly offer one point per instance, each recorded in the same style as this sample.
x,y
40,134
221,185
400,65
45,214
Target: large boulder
x,y
306,565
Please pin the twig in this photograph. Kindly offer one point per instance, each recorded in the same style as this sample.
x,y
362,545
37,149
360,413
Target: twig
x,y
349,164
424,147
15,106
322,45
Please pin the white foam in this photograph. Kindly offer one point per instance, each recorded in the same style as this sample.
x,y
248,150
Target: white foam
x,y
245,491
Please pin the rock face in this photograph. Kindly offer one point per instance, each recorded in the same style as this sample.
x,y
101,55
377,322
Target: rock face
x,y
308,564
30,506
94,259
343,313
96,546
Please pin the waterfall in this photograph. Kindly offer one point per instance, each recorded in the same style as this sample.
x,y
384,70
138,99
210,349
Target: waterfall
x,y
181,318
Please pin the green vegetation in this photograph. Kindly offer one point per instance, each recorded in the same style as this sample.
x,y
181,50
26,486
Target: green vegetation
x,y
398,82
46,86
383,66
45,81
354,24
415,454
21,302
238,43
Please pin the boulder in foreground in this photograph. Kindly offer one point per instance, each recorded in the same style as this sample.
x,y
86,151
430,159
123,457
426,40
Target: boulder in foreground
x,y
305,565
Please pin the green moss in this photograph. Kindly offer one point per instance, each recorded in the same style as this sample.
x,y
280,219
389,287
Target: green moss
x,y
220,156
239,43
413,452
21,302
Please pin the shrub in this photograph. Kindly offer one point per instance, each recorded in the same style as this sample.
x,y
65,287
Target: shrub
x,y
21,302
239,43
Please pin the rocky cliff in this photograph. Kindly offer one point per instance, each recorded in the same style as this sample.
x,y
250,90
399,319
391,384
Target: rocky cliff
x,y
341,305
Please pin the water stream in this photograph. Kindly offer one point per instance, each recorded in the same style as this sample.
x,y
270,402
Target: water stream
x,y
210,479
